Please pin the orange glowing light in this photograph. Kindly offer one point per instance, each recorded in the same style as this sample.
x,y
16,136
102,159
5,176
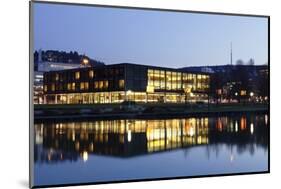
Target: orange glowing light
x,y
243,123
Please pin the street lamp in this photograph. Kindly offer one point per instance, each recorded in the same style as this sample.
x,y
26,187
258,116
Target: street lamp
x,y
236,94
85,61
251,94
128,93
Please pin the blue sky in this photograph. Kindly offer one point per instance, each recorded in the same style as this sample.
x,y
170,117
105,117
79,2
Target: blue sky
x,y
159,38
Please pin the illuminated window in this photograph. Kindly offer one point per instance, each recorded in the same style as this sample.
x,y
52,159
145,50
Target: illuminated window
x,y
82,86
96,85
178,80
156,79
86,85
100,84
69,86
77,75
162,79
53,87
168,81
57,77
243,92
91,73
45,88
73,86
121,83
150,77
174,80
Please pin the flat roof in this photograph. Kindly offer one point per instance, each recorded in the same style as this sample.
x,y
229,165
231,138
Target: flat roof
x,y
131,64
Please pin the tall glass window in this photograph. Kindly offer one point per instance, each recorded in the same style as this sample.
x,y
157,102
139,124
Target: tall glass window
x,y
168,80
162,80
174,80
150,77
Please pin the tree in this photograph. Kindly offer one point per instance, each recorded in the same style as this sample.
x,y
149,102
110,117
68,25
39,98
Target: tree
x,y
239,62
251,62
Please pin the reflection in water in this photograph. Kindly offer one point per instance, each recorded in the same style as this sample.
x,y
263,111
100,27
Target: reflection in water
x,y
57,142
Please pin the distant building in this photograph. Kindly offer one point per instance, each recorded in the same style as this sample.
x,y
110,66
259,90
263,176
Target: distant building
x,y
237,82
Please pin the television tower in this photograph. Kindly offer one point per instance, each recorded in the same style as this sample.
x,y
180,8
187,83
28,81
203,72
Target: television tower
x,y
231,53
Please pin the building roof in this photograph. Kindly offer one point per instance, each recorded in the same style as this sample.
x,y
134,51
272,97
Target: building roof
x,y
134,64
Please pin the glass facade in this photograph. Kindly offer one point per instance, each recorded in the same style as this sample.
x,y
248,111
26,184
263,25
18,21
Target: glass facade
x,y
168,80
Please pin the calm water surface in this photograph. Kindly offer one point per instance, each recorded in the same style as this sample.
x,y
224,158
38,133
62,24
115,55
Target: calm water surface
x,y
109,150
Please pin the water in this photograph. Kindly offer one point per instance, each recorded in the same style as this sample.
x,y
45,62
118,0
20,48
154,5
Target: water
x,y
111,150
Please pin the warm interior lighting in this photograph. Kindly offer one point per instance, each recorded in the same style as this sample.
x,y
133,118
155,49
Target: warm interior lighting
x,y
85,61
121,83
91,73
243,92
77,75
150,89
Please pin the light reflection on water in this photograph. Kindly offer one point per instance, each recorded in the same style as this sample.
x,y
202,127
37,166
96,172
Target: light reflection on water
x,y
107,150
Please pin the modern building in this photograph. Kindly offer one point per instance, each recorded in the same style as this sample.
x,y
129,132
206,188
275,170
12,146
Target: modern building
x,y
124,82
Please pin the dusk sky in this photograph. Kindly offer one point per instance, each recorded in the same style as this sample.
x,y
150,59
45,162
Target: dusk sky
x,y
169,39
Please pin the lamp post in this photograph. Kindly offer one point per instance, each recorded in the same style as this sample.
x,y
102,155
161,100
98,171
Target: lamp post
x,y
85,62
251,96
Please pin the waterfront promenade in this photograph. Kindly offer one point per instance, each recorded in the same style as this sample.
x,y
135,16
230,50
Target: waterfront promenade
x,y
139,110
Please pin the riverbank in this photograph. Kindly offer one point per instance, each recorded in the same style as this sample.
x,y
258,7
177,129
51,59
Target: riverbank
x,y
72,111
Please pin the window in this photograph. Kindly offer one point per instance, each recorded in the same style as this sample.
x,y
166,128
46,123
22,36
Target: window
x,y
73,86
243,92
162,79
168,81
86,85
77,75
179,81
96,85
100,84
91,73
150,77
174,80
53,87
121,83
156,78
57,77
82,86
45,88
69,86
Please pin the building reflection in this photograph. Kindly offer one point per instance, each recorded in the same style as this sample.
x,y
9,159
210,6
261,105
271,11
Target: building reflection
x,y
72,141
